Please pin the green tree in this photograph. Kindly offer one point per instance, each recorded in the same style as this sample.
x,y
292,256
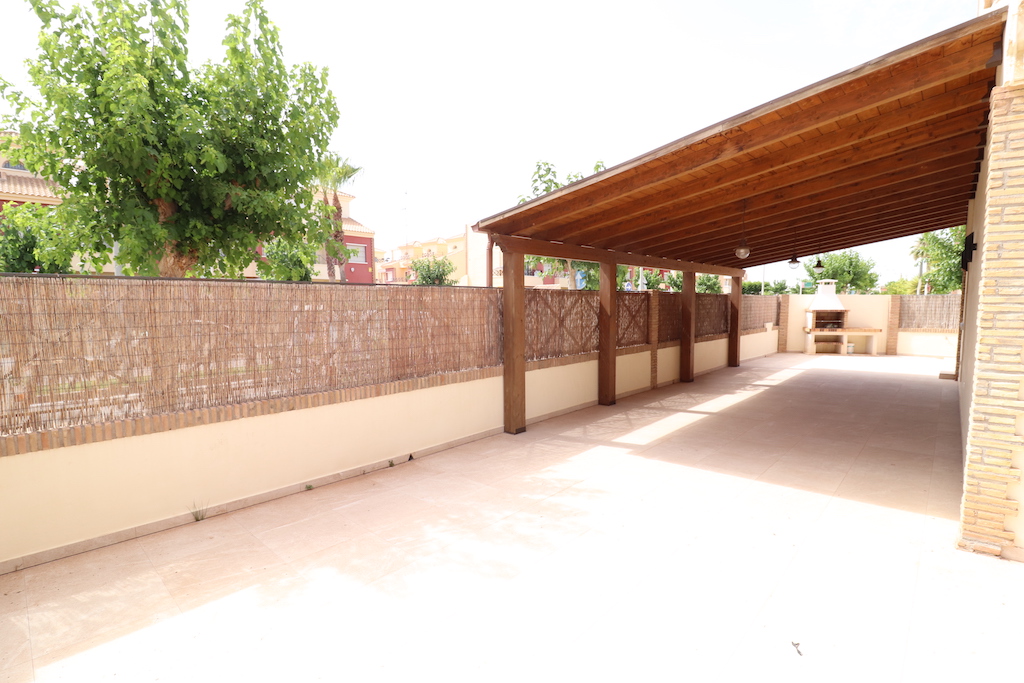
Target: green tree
x,y
941,251
901,286
708,284
545,179
852,272
287,261
433,271
188,170
770,288
334,172
30,241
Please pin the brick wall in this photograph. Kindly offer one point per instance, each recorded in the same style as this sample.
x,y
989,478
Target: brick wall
x,y
995,447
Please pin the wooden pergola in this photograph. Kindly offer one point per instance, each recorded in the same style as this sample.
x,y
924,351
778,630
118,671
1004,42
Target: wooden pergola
x,y
890,148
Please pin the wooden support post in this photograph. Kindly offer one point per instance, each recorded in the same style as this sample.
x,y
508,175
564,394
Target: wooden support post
x,y
653,319
490,261
735,308
514,322
607,334
688,336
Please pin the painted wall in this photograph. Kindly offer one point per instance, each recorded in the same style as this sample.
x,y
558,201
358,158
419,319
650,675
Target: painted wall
x,y
711,355
64,496
759,345
865,311
95,494
932,344
555,390
361,273
632,373
668,365
972,293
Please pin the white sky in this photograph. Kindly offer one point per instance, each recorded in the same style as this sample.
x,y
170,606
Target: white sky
x,y
448,105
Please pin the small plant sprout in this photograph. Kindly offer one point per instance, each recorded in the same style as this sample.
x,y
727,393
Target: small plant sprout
x,y
198,511
309,487
391,463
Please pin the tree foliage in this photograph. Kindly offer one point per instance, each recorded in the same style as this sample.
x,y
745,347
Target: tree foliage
x,y
852,272
334,172
770,288
30,241
545,179
187,169
941,251
708,284
901,286
433,271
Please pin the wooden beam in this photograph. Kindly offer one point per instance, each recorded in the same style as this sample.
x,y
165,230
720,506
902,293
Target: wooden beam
x,y
885,81
525,245
688,336
803,237
490,261
771,221
735,321
649,214
607,333
815,157
514,357
805,197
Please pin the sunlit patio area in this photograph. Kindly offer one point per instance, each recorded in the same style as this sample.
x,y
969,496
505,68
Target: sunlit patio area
x,y
791,519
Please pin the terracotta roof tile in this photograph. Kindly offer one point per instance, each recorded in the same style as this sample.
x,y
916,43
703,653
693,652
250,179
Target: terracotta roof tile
x,y
26,185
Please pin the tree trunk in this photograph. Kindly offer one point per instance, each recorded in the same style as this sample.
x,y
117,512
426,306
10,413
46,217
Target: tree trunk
x,y
174,264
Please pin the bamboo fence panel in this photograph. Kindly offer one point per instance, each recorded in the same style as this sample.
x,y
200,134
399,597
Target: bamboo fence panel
x,y
758,310
670,317
560,323
632,310
712,315
77,351
930,312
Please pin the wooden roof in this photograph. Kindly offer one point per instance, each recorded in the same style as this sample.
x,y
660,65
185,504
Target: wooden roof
x,y
887,149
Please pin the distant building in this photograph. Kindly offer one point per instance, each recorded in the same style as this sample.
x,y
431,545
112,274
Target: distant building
x,y
20,186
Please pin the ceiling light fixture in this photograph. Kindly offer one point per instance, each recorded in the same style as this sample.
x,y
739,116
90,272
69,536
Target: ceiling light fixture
x,y
793,263
743,251
818,267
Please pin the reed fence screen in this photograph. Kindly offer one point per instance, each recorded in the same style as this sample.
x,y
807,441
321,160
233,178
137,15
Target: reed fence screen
x,y
632,309
712,315
930,312
85,350
560,323
77,351
758,310
670,320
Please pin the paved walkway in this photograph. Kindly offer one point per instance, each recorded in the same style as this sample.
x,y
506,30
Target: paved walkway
x,y
693,533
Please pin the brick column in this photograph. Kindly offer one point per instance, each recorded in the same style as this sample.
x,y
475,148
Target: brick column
x,y
892,332
995,447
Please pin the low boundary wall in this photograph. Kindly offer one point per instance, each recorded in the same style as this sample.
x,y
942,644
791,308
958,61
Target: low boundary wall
x,y
59,498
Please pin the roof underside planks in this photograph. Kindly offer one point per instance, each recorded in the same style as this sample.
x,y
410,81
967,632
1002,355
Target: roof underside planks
x,y
887,149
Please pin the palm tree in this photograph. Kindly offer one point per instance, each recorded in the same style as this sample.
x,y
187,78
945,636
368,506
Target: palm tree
x,y
334,172
919,253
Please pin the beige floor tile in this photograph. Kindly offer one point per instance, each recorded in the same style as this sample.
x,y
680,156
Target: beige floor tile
x,y
18,673
698,530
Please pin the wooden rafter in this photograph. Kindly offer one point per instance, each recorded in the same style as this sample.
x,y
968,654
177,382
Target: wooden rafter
x,y
889,148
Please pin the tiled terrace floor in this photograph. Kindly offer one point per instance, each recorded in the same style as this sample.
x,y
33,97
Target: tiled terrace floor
x,y
692,533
